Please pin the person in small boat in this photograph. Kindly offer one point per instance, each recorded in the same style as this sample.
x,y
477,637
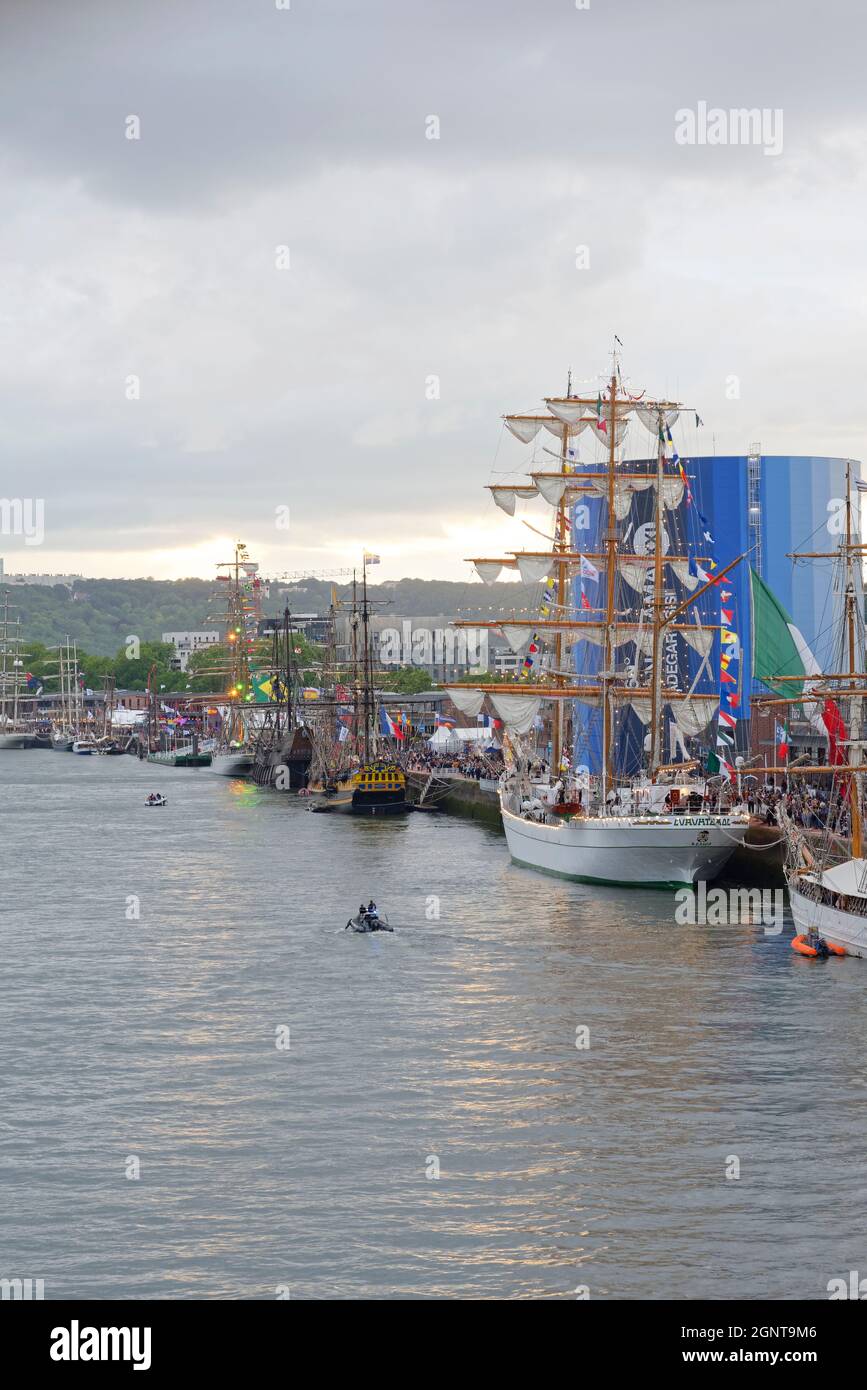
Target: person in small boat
x,y
372,909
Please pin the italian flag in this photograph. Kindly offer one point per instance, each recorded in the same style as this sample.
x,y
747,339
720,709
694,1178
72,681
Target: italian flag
x,y
718,758
780,649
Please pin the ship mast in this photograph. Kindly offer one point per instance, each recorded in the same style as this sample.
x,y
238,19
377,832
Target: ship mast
x,y
365,658
561,546
611,554
658,604
855,702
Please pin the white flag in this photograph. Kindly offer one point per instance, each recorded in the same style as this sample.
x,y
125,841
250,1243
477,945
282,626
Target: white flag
x,y
588,571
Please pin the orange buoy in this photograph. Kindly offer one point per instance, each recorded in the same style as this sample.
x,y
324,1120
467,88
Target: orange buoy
x,y
801,944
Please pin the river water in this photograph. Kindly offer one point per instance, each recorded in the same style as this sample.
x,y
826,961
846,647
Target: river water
x,y
286,1092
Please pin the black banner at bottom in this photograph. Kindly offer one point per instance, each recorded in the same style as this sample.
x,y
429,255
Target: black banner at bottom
x,y
159,1339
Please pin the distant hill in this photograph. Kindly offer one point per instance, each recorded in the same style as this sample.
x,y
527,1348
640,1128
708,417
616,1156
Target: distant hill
x,y
101,613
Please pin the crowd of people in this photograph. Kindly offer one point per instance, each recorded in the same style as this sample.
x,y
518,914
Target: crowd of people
x,y
465,762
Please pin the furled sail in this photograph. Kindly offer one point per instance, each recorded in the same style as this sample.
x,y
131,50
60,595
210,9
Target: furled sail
x,y
517,637
466,699
672,493
506,497
634,572
681,572
551,488
643,708
602,430
699,638
649,417
518,712
624,490
488,570
532,569
692,716
560,430
524,427
570,412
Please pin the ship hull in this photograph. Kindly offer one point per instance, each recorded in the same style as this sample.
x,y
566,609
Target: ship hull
x,y
349,803
845,929
17,741
659,853
232,764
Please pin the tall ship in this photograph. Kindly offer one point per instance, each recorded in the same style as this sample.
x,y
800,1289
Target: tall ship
x,y
822,816
232,755
17,729
356,768
283,749
68,723
621,653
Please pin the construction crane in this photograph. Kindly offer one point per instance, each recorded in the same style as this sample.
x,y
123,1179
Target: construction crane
x,y
313,574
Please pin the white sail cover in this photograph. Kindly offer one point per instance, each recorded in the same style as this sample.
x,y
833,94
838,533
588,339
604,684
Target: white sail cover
x,y
517,637
560,430
518,712
699,638
681,572
488,571
634,572
524,427
570,412
533,568
590,632
505,499
642,708
649,417
467,699
551,489
605,434
692,716
672,493
624,490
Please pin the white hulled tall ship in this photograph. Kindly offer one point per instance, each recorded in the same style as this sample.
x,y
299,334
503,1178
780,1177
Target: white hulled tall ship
x,y
16,731
639,819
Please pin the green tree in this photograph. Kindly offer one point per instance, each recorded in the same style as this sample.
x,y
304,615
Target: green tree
x,y
406,680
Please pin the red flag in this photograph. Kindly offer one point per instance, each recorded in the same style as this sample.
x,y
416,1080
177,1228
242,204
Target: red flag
x,y
833,721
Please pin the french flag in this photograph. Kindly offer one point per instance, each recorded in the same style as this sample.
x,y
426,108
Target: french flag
x,y
387,726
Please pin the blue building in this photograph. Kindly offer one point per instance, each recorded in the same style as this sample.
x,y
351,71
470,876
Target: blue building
x,y
772,505
769,506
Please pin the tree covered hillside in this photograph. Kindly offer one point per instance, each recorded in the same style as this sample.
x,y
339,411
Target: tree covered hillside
x,y
100,614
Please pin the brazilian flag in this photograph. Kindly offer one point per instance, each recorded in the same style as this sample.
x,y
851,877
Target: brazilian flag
x,y
267,688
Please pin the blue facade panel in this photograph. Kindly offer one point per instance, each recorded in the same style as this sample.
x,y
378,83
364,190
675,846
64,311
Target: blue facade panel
x,y
800,501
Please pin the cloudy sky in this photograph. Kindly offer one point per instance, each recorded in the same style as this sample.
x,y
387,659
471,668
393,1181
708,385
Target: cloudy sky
x,y
736,278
